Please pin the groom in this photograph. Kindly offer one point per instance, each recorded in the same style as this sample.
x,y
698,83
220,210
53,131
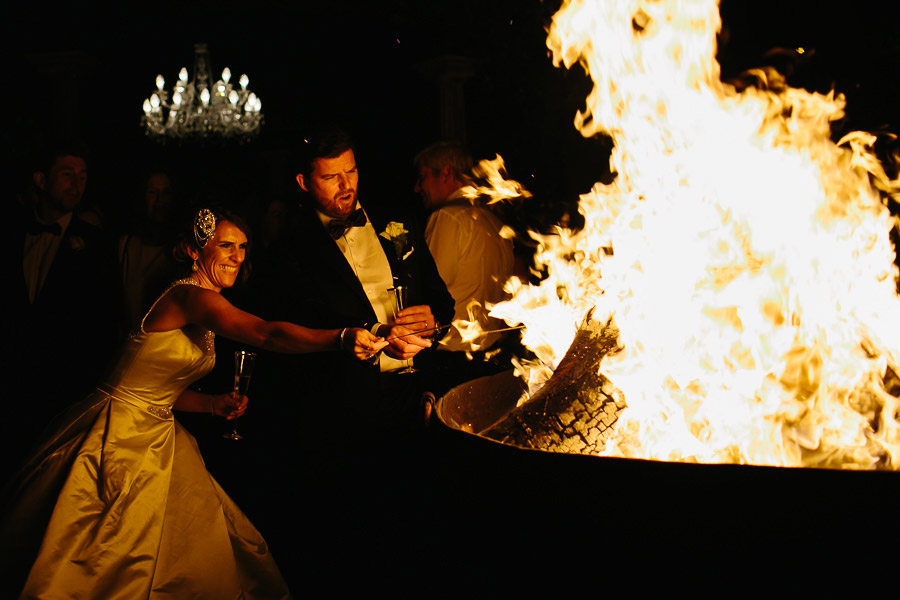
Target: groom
x,y
376,261
350,431
334,271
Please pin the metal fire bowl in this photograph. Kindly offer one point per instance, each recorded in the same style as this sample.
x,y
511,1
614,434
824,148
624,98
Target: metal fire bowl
x,y
532,501
478,404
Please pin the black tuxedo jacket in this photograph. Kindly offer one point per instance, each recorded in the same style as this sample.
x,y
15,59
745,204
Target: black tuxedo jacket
x,y
309,282
80,297
62,343
318,288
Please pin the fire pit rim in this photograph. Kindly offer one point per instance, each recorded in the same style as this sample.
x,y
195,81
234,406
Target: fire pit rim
x,y
511,388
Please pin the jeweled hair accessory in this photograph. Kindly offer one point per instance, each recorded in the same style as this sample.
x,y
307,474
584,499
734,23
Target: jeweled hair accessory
x,y
204,226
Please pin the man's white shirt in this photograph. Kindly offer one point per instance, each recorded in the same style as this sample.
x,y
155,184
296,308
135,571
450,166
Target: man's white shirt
x,y
474,261
365,255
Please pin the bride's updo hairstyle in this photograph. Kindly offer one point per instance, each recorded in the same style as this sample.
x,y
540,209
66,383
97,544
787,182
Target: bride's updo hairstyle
x,y
200,228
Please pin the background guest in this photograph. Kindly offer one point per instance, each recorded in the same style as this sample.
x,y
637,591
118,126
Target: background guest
x,y
61,319
472,256
350,430
144,253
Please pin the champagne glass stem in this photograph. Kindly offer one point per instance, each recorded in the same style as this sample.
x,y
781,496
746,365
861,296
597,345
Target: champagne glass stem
x,y
234,434
398,303
243,368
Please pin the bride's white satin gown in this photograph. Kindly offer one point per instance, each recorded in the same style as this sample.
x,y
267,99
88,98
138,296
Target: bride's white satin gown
x,y
133,512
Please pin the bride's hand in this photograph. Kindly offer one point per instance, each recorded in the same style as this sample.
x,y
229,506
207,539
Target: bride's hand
x,y
230,405
361,343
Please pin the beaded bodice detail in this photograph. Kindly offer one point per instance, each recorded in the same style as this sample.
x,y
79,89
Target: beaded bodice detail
x,y
204,338
155,367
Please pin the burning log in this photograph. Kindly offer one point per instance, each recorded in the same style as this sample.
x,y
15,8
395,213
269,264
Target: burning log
x,y
575,411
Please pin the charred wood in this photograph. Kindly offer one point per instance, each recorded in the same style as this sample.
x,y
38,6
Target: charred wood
x,y
575,411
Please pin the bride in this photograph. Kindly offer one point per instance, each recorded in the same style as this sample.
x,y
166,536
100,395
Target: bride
x,y
116,502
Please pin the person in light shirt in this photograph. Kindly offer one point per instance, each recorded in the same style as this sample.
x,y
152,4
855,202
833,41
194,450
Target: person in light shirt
x,y
472,256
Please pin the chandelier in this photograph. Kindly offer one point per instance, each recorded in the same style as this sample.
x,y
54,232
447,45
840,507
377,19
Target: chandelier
x,y
199,110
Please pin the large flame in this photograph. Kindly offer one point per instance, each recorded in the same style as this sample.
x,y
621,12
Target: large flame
x,y
744,256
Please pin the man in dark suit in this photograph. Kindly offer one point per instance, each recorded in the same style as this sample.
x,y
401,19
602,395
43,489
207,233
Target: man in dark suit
x,y
334,271
62,317
351,432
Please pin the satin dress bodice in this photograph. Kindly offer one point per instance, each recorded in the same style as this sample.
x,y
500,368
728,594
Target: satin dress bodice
x,y
155,367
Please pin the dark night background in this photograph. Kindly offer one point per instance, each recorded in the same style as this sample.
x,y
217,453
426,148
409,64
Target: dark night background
x,y
85,70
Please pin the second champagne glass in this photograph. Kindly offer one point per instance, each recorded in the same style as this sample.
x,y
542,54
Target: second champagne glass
x,y
398,302
243,368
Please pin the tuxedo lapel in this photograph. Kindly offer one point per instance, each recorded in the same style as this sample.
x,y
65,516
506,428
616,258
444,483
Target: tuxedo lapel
x,y
57,276
391,254
332,263
397,271
76,247
415,267
57,282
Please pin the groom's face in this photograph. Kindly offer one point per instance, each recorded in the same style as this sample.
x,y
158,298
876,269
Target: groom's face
x,y
333,183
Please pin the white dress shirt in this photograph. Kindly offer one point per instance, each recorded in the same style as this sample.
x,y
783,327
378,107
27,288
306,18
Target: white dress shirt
x,y
474,262
364,254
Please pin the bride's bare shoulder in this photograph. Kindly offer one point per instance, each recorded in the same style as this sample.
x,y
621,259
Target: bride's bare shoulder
x,y
168,312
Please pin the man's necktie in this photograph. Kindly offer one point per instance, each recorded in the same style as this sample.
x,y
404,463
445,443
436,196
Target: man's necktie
x,y
337,227
36,228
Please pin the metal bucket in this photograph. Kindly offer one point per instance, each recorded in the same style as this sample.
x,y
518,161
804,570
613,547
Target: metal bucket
x,y
590,506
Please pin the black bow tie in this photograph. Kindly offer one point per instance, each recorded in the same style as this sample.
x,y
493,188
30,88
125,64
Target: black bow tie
x,y
337,227
36,228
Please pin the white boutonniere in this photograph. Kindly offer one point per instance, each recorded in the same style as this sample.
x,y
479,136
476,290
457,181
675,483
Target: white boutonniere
x,y
76,243
397,234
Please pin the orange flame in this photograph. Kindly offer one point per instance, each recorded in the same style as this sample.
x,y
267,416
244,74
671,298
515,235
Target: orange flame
x,y
497,187
743,255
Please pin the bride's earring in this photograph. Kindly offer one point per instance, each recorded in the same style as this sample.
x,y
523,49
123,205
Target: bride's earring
x,y
194,266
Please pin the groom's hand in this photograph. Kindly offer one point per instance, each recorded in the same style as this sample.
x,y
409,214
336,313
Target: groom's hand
x,y
416,318
403,344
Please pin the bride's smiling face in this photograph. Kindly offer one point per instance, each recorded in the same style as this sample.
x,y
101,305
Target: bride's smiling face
x,y
219,262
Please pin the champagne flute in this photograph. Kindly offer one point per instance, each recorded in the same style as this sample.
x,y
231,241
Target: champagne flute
x,y
398,296
243,368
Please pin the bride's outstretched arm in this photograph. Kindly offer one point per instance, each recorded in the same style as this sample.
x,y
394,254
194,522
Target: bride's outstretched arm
x,y
211,311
